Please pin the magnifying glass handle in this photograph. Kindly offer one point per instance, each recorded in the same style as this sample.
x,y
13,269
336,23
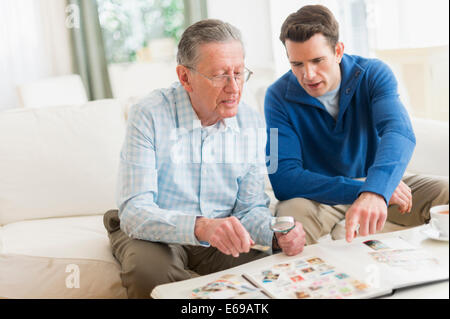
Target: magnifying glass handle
x,y
260,247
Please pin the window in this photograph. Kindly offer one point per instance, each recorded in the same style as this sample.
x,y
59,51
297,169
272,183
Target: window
x,y
130,28
140,39
412,36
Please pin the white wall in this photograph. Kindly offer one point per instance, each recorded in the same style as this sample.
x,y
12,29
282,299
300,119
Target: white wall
x,y
252,17
402,24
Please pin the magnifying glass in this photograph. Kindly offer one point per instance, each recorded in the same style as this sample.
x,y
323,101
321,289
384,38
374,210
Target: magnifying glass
x,y
282,224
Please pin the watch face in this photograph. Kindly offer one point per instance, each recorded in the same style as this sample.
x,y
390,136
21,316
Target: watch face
x,y
282,224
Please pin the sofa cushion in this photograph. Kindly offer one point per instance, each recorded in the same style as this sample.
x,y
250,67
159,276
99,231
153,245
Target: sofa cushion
x,y
58,258
431,154
59,161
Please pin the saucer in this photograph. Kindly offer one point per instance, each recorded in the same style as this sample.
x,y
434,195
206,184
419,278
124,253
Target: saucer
x,y
434,234
439,238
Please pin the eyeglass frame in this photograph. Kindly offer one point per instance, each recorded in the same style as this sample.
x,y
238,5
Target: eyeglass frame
x,y
227,76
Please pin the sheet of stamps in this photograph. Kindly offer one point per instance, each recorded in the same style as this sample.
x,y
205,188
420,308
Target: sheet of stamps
x,y
309,277
228,287
406,258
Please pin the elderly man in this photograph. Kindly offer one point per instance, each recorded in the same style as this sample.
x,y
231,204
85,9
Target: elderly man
x,y
345,138
183,210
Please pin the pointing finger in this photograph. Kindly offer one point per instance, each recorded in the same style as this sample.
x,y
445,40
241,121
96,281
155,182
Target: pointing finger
x,y
350,227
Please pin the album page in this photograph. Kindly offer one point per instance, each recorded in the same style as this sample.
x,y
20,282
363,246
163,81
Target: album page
x,y
314,276
229,286
389,262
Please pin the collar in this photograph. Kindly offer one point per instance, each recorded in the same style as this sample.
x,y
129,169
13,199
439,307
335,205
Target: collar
x,y
232,123
352,71
351,75
185,115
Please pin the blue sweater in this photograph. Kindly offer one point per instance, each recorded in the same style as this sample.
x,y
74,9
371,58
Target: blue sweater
x,y
318,157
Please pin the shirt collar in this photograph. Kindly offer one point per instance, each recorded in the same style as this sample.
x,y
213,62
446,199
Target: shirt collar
x,y
185,114
231,123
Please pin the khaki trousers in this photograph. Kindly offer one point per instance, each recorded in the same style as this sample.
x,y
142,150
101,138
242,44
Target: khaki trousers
x,y
145,264
320,219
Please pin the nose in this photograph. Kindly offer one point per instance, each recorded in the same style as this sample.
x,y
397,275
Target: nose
x,y
232,84
309,72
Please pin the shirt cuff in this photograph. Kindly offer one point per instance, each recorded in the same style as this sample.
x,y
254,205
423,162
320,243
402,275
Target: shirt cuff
x,y
186,224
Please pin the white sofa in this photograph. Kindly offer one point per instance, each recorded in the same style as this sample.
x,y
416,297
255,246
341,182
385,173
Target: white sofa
x,y
57,178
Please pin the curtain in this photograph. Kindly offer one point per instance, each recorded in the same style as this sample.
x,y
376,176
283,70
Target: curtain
x,y
89,52
34,44
195,10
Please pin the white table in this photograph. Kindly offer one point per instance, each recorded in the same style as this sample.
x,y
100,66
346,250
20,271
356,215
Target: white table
x,y
440,290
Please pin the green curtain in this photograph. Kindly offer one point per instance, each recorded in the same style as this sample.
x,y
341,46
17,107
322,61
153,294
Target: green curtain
x,y
89,52
195,10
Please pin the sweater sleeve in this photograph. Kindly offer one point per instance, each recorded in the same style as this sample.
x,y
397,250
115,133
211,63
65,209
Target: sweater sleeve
x,y
397,140
289,178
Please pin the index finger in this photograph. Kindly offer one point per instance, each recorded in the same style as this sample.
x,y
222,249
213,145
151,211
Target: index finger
x,y
242,235
350,228
409,195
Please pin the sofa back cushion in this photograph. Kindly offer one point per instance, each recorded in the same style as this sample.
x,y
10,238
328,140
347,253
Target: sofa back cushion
x,y
431,154
59,161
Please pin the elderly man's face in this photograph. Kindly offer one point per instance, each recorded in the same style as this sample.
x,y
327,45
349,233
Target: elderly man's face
x,y
213,103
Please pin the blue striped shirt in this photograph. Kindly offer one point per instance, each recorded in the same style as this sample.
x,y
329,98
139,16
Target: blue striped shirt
x,y
173,170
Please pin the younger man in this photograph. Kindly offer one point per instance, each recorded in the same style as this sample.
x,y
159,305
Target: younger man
x,y
344,137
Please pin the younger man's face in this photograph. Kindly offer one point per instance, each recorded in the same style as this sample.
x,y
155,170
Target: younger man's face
x,y
315,64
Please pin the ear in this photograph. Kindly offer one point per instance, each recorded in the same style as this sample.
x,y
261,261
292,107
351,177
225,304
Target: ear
x,y
339,51
184,77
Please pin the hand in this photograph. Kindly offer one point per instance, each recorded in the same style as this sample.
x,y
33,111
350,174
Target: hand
x,y
402,197
369,211
226,234
294,241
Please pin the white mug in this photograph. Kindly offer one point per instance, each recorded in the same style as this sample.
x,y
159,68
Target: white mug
x,y
439,220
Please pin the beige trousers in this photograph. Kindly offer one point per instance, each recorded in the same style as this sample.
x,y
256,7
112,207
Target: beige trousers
x,y
145,264
320,219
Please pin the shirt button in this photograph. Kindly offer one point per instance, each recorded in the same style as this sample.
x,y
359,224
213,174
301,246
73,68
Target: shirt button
x,y
357,73
348,91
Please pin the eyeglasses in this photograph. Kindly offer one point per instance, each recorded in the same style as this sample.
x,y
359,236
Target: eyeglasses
x,y
220,81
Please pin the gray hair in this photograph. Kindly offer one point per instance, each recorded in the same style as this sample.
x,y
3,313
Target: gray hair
x,y
204,31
